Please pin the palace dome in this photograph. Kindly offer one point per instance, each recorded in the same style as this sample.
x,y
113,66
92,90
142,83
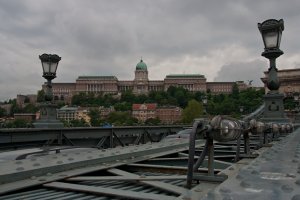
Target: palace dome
x,y
141,66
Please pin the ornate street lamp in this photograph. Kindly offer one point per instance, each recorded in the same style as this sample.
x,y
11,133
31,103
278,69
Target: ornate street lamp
x,y
48,108
241,109
296,111
204,101
271,32
49,64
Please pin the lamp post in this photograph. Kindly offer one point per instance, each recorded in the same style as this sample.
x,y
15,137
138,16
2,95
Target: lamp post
x,y
241,109
271,31
48,108
204,101
296,100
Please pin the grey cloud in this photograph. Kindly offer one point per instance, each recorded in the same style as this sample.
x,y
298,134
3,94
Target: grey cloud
x,y
108,37
243,71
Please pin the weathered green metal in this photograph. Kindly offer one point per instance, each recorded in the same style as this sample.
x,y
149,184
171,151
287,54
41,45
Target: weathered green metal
x,y
48,108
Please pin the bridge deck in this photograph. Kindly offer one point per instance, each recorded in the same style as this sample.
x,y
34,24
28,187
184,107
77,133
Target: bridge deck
x,y
153,171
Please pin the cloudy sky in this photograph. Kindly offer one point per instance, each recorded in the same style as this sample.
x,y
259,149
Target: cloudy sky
x,y
216,38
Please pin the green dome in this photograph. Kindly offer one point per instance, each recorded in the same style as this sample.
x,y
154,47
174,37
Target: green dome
x,y
141,66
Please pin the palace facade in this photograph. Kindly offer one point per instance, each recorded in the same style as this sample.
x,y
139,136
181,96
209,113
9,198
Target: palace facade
x,y
140,84
289,81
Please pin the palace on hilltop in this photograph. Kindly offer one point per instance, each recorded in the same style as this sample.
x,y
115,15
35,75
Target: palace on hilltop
x,y
140,84
289,81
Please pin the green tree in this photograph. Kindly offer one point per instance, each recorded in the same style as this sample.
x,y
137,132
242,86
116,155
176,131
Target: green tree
x,y
15,108
2,112
128,96
78,123
122,106
18,123
193,110
40,96
121,119
152,121
235,91
30,108
94,114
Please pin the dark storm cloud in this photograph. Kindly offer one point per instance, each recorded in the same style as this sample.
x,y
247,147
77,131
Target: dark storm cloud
x,y
96,37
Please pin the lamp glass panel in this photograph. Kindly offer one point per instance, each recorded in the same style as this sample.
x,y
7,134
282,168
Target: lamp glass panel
x,y
271,39
46,67
53,68
279,38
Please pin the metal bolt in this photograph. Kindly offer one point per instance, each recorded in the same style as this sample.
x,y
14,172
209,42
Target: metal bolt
x,y
296,197
225,190
20,169
287,188
49,174
244,184
36,164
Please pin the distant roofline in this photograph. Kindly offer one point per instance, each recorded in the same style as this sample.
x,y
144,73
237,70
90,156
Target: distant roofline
x,y
97,77
60,83
218,82
285,70
185,76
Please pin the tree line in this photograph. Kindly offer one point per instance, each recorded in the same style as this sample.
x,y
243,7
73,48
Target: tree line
x,y
191,103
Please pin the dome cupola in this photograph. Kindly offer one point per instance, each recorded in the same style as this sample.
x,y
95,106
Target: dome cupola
x,y
141,65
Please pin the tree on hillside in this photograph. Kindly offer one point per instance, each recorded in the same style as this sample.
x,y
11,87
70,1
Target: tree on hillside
x,y
193,110
94,114
121,119
40,96
2,112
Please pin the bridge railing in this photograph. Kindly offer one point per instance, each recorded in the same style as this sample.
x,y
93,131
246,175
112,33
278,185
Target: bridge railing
x,y
91,136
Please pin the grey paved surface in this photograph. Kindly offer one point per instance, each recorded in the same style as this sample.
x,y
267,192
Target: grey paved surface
x,y
274,175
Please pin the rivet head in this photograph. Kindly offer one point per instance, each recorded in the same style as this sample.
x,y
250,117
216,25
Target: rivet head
x,y
36,164
63,175
198,190
227,198
239,177
255,172
20,169
291,175
296,197
225,190
186,198
287,188
244,184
